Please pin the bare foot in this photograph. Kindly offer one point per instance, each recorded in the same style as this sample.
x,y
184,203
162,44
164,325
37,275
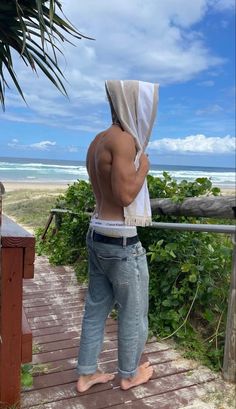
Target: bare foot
x,y
86,381
144,373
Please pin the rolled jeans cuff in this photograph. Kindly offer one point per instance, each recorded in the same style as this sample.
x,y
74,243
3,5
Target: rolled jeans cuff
x,y
126,375
86,370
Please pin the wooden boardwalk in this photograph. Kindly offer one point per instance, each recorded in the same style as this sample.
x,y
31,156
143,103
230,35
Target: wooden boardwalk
x,y
53,304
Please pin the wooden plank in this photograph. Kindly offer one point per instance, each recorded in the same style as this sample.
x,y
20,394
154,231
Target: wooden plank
x,y
11,316
57,311
39,310
54,322
104,398
48,330
62,281
51,356
26,340
44,339
29,256
46,292
68,379
70,363
64,371
72,342
178,399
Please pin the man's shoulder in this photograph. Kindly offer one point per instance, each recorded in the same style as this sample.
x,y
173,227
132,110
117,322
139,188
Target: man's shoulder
x,y
114,141
121,140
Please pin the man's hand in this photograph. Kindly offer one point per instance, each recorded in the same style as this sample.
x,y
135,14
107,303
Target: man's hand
x,y
144,163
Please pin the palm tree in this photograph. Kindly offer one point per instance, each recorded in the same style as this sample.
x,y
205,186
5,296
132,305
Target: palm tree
x,y
31,28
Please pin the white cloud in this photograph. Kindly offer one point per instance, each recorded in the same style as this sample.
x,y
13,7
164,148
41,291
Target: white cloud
x,y
222,4
42,146
211,109
155,41
72,149
194,144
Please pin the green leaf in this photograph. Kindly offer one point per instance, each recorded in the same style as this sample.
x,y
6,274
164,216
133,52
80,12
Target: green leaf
x,y
185,267
172,254
208,315
26,379
166,303
193,278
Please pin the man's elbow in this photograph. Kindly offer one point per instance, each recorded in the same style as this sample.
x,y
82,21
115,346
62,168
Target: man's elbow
x,y
126,200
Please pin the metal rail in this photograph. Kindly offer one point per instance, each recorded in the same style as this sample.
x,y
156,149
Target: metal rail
x,y
210,228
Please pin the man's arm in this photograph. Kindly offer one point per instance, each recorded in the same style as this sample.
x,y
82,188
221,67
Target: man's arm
x,y
126,181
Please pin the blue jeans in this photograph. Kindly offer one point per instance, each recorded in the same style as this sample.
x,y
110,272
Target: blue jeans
x,y
117,275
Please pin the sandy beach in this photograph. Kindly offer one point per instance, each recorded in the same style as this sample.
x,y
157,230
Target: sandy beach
x,y
11,186
42,186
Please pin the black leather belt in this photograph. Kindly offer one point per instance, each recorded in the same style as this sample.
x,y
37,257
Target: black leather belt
x,y
115,240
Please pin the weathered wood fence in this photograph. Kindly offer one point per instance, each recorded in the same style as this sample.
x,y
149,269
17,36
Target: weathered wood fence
x,y
16,264
206,206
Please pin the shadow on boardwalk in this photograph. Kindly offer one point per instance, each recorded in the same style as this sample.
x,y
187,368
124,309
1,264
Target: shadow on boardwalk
x,y
53,303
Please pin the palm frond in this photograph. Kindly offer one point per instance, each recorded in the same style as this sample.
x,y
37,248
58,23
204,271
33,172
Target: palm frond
x,y
21,22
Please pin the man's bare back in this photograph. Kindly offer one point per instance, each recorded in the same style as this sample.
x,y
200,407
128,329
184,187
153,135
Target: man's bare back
x,y
110,165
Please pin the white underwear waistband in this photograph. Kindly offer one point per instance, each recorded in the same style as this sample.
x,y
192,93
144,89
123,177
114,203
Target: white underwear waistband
x,y
113,228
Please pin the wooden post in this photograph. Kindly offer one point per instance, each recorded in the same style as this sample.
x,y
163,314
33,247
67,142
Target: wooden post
x,y
2,190
16,346
229,366
10,351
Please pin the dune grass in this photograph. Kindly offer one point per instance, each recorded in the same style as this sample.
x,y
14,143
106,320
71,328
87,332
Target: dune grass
x,y
30,207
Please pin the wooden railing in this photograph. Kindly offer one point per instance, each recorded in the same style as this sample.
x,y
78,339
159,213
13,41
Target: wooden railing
x,y
16,264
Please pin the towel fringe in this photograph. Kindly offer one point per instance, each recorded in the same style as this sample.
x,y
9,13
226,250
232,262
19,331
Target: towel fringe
x,y
138,221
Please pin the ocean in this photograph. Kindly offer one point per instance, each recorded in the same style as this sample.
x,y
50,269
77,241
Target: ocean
x,y
61,171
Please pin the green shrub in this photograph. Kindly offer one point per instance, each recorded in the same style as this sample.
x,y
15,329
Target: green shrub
x,y
189,271
68,246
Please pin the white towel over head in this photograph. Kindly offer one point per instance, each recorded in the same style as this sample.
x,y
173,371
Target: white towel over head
x,y
134,105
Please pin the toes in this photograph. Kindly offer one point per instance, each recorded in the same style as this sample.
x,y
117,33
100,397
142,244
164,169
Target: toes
x,y
145,365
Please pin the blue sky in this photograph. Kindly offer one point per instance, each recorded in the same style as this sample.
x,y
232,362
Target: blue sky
x,y
185,46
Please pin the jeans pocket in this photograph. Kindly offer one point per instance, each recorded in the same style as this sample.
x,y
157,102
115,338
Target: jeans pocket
x,y
111,258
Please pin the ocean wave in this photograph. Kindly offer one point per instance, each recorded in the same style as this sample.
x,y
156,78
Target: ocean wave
x,y
69,170
18,166
54,172
192,175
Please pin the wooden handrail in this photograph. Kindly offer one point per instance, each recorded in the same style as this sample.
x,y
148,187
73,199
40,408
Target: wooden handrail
x,y
17,257
203,206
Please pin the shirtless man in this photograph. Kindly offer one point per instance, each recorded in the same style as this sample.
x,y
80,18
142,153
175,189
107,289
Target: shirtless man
x,y
115,182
